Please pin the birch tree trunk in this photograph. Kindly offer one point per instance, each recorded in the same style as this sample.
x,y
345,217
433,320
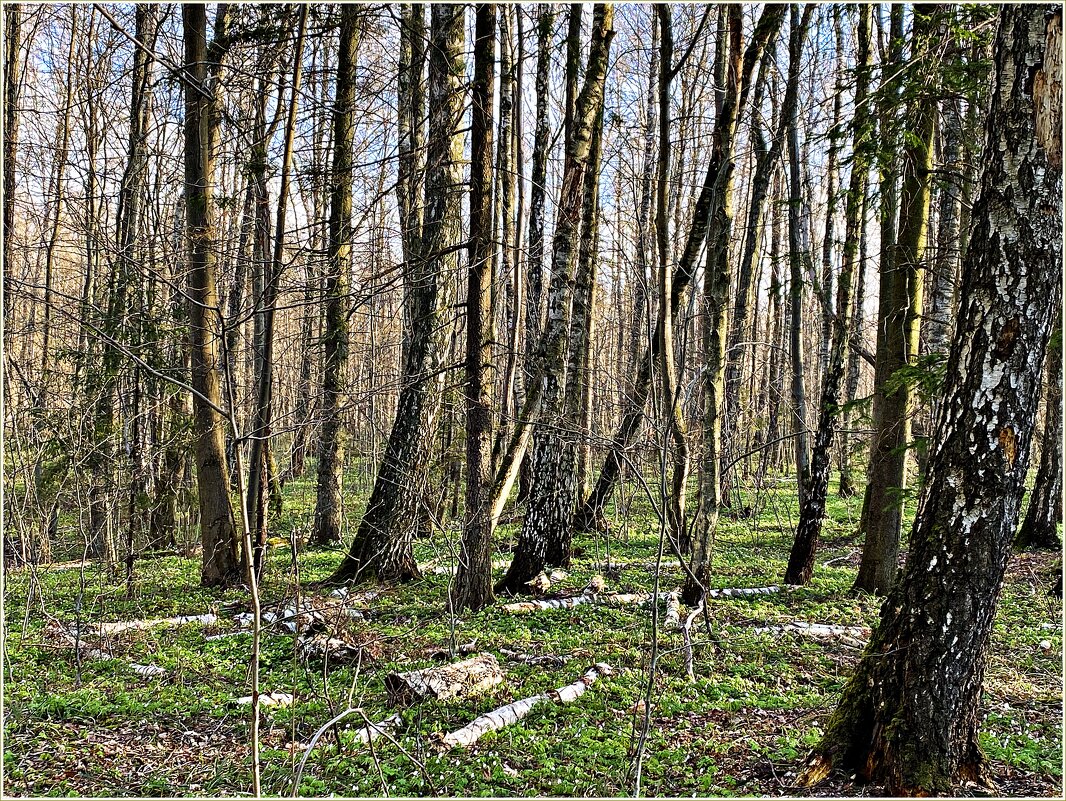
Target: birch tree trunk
x,y
908,717
383,545
549,515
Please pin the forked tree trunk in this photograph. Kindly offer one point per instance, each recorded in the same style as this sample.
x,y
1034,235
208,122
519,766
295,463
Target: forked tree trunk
x,y
535,255
549,516
909,715
718,270
383,546
591,514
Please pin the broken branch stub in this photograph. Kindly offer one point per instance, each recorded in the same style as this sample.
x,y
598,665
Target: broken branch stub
x,y
462,679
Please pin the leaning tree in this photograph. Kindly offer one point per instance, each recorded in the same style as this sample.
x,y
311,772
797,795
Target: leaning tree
x,y
909,715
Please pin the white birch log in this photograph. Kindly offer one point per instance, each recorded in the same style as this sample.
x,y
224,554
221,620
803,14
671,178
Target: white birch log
x,y
461,679
371,731
673,611
526,607
87,651
572,692
743,592
117,627
514,712
269,699
855,636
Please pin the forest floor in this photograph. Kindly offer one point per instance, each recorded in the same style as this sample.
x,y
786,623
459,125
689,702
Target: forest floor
x,y
95,727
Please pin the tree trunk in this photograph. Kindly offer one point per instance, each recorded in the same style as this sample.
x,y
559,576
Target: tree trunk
x,y
473,579
901,305
221,565
12,88
1040,525
590,515
909,715
549,517
812,507
335,338
847,487
383,546
259,459
717,279
798,255
538,180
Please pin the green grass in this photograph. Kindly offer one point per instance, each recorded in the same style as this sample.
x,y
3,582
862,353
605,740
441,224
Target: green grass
x,y
753,712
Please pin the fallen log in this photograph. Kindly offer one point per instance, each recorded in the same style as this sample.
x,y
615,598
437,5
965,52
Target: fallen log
x,y
269,699
460,679
539,605
515,711
321,647
673,610
628,599
449,570
855,636
371,731
117,627
743,592
86,651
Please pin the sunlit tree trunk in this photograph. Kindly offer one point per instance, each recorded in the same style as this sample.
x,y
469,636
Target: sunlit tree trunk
x,y
218,534
383,545
909,715
549,516
329,501
898,336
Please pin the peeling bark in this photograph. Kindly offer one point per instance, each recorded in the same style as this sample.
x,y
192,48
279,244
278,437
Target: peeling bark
x,y
908,717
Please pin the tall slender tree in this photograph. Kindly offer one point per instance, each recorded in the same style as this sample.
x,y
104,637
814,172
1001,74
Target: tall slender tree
x,y
549,515
473,578
218,533
383,545
335,340
899,313
740,64
812,508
